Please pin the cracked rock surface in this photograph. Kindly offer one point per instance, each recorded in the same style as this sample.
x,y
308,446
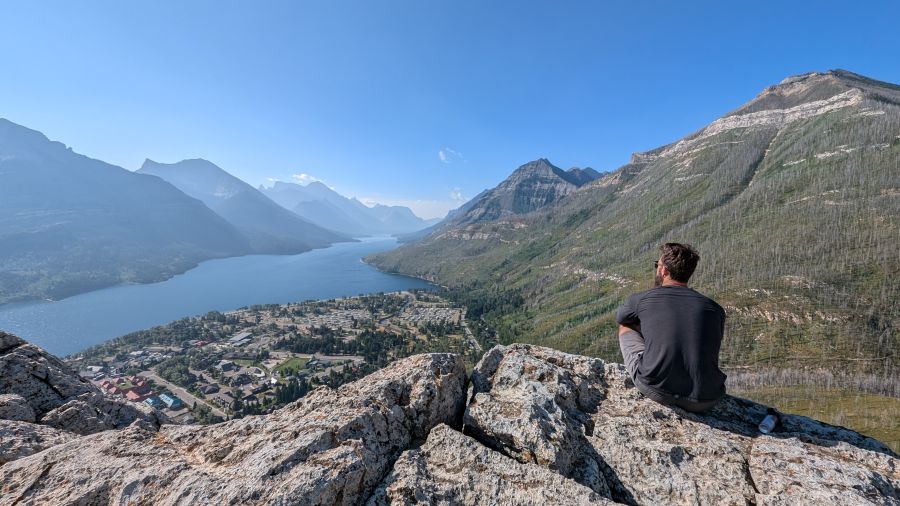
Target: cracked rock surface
x,y
56,396
551,408
532,426
331,447
451,468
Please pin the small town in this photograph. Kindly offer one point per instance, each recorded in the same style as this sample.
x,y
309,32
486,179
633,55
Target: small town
x,y
253,360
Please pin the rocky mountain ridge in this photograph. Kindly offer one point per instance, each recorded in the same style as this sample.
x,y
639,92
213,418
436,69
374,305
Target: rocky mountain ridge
x,y
531,425
532,186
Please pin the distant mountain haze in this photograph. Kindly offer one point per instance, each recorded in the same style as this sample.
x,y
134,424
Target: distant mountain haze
x,y
320,204
269,227
69,223
792,199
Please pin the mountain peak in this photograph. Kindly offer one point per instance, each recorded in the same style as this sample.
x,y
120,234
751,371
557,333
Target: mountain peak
x,y
183,165
845,76
822,90
22,139
530,187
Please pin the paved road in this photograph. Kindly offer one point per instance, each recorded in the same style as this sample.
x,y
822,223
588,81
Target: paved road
x,y
355,358
472,341
185,396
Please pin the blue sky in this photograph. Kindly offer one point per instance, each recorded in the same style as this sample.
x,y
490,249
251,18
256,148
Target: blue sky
x,y
423,103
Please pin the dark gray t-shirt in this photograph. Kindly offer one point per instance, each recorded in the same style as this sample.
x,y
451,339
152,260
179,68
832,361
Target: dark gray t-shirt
x,y
682,332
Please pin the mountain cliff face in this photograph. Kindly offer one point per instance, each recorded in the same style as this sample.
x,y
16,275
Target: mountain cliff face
x,y
793,201
70,224
269,227
530,426
531,187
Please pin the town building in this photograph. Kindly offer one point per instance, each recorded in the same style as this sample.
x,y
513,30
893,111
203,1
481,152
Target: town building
x,y
171,401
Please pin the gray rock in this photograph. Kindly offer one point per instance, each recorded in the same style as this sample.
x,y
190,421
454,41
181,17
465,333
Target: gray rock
x,y
21,439
58,397
540,412
331,447
538,405
451,468
15,407
35,375
540,427
92,412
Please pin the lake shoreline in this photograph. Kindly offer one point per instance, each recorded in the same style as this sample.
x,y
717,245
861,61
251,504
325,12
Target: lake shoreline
x,y
69,325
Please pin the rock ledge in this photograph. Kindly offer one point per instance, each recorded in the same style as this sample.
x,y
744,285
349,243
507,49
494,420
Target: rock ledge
x,y
532,426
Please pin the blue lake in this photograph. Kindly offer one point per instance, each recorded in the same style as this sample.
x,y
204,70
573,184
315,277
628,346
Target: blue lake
x,y
72,324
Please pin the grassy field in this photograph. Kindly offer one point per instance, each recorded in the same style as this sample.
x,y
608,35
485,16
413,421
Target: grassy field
x,y
877,416
293,363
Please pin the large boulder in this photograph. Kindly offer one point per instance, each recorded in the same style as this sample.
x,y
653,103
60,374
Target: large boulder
x,y
21,439
331,447
58,397
577,415
16,408
451,468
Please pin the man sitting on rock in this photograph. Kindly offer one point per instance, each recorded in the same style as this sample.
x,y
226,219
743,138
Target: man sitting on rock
x,y
670,336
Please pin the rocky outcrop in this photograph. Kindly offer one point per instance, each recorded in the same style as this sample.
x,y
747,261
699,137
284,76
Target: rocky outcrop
x,y
331,447
451,468
14,407
37,387
531,426
585,419
21,439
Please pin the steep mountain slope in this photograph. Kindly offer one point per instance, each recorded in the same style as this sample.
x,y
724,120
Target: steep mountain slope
x,y
320,204
70,224
270,228
793,201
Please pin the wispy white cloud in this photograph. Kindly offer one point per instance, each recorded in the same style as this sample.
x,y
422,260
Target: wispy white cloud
x,y
450,155
456,195
304,178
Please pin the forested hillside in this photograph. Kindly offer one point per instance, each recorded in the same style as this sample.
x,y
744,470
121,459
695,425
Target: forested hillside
x,y
793,201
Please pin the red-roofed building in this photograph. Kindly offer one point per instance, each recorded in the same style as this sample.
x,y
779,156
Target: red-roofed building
x,y
134,396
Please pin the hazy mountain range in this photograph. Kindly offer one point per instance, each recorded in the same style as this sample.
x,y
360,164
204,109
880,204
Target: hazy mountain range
x,y
269,227
70,224
320,204
793,201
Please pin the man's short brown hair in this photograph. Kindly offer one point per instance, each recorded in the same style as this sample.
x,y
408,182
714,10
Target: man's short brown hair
x,y
680,260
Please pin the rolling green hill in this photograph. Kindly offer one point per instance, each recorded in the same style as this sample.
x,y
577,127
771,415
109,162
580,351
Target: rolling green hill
x,y
793,201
